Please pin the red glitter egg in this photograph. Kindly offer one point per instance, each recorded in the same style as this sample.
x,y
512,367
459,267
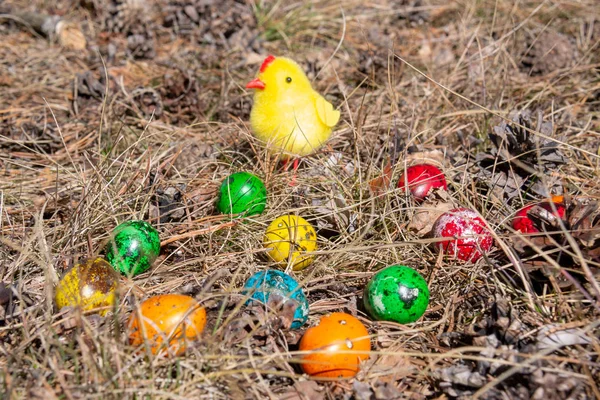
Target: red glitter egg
x,y
472,235
522,222
421,179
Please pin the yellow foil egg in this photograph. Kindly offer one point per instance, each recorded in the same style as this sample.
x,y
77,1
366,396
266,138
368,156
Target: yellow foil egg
x,y
88,285
288,239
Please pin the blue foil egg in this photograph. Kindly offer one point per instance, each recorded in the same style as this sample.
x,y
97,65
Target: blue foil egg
x,y
264,284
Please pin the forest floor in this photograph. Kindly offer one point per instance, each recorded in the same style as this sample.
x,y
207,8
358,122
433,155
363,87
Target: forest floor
x,y
137,109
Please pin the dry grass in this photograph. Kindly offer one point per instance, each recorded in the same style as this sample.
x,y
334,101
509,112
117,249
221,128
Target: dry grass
x,y
429,74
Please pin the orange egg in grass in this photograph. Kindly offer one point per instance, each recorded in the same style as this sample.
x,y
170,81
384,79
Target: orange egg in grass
x,y
173,317
335,347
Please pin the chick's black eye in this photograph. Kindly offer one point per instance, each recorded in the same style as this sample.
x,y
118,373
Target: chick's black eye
x,y
288,79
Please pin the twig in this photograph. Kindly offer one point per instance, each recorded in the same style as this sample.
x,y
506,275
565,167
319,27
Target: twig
x,y
197,232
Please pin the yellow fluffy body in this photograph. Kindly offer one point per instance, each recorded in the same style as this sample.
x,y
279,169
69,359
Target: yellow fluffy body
x,y
288,115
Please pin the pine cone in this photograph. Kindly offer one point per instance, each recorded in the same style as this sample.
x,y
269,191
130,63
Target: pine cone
x,y
512,141
133,19
583,218
547,52
225,24
519,158
582,221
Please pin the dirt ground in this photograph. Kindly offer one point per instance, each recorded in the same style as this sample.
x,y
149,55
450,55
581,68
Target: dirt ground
x,y
137,109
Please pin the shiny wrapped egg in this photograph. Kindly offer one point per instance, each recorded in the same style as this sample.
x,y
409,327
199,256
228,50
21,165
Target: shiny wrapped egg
x,y
91,284
133,247
421,179
335,347
275,289
523,222
465,234
243,194
396,293
288,239
169,318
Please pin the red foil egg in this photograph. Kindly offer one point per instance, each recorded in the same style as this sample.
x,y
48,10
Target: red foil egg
x,y
469,233
422,178
522,222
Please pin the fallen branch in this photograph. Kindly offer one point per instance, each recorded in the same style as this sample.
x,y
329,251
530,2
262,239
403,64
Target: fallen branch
x,y
68,33
197,232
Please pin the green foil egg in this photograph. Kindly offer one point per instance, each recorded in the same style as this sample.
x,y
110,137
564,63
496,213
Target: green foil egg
x,y
397,293
133,247
242,193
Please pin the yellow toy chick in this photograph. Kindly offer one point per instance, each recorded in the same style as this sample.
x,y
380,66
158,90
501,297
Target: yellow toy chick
x,y
288,115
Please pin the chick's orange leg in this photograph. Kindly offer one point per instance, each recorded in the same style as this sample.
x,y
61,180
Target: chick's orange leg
x,y
286,165
296,163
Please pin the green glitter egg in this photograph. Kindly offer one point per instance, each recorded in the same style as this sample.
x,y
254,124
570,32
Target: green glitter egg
x,y
133,247
242,193
397,293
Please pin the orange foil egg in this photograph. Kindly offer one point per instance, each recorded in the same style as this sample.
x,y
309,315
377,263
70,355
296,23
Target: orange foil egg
x,y
175,318
335,347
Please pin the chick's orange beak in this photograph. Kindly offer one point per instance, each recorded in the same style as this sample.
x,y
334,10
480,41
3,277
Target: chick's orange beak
x,y
255,84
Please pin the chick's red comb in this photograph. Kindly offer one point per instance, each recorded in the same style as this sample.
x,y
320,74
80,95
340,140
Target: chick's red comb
x,y
266,63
